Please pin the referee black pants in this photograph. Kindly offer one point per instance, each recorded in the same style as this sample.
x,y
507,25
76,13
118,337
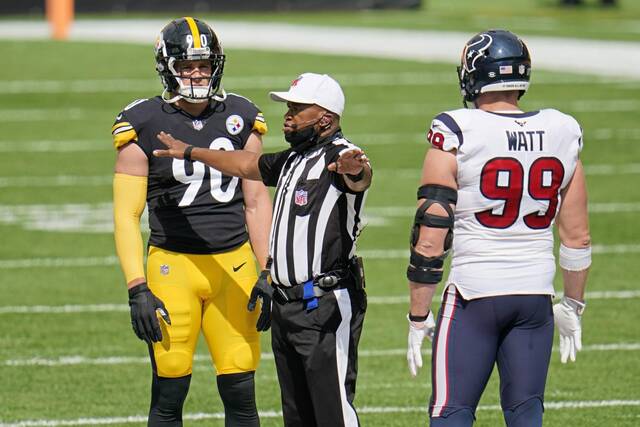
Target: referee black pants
x,y
316,358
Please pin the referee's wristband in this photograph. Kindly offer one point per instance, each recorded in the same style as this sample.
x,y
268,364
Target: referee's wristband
x,y
187,153
357,177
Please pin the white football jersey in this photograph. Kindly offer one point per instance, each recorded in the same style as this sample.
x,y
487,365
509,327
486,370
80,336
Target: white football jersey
x,y
511,169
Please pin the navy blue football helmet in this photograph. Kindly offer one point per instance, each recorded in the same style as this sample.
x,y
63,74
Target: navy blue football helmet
x,y
494,60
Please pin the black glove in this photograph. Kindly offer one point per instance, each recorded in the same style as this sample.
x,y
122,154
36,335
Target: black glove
x,y
263,290
144,320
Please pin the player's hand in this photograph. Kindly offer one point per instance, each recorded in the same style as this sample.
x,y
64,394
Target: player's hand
x,y
417,332
263,290
144,319
175,147
567,315
350,162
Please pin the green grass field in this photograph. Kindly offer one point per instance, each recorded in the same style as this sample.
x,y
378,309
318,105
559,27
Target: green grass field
x,y
59,101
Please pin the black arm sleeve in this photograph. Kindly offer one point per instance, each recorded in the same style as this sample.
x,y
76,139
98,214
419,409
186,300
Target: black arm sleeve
x,y
270,165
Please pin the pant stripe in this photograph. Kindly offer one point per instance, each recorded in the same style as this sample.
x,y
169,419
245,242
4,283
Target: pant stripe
x,y
441,385
342,354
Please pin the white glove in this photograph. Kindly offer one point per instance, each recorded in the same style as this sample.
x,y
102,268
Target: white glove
x,y
417,332
567,314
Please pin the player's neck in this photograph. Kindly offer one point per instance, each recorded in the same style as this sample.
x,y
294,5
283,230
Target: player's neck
x,y
498,102
191,108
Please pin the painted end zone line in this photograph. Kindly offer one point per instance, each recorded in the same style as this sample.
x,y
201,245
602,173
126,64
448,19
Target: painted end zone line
x,y
116,308
135,419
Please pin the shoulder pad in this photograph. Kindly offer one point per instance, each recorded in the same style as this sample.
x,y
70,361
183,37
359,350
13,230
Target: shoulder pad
x,y
248,110
445,132
123,130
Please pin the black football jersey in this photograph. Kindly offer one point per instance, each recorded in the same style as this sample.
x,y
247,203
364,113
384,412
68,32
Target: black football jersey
x,y
193,208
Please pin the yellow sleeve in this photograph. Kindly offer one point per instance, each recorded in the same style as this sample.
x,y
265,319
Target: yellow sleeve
x,y
129,199
259,124
123,133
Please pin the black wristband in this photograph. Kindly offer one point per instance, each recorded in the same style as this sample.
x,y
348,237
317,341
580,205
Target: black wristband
x,y
187,153
358,177
418,318
135,290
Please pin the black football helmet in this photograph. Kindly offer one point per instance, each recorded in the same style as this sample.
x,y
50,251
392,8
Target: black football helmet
x,y
494,60
189,39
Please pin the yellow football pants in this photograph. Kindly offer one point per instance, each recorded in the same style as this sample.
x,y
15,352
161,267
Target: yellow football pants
x,y
208,293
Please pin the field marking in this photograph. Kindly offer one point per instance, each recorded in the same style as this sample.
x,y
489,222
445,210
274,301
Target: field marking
x,y
364,109
135,419
107,261
74,360
614,58
103,180
98,217
417,78
373,300
363,139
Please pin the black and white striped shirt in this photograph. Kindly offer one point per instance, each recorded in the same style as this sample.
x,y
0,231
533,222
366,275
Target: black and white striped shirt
x,y
316,217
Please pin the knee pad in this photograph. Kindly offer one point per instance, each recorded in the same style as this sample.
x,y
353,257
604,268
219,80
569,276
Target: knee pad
x,y
237,392
173,364
460,418
526,414
167,398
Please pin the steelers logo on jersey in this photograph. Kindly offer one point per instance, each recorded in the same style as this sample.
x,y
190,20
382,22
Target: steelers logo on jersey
x,y
235,124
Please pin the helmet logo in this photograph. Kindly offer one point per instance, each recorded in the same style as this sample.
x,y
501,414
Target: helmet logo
x,y
234,124
506,69
474,51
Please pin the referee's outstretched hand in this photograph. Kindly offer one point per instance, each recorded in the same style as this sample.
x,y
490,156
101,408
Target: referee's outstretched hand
x,y
175,147
350,162
263,290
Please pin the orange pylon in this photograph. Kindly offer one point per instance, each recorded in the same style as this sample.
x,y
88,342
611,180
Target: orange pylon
x,y
60,17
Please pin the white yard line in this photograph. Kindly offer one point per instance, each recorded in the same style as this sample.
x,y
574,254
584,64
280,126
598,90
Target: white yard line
x,y
106,261
75,360
140,419
234,83
373,300
597,57
362,109
98,180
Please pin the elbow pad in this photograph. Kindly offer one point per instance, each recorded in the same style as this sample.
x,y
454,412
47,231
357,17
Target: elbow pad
x,y
129,200
429,269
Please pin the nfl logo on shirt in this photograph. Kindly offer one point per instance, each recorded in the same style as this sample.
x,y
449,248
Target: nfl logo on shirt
x,y
197,124
301,197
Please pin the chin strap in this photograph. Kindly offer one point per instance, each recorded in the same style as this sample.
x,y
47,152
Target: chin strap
x,y
169,100
217,97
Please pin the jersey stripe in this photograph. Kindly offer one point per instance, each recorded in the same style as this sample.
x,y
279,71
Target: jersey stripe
x,y
449,122
123,138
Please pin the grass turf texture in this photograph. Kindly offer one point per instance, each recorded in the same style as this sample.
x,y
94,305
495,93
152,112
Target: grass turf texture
x,y
388,120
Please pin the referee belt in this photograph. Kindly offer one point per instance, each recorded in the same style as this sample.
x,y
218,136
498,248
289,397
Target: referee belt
x,y
317,287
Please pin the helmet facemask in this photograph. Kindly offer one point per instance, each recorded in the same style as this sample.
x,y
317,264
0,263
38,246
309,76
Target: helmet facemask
x,y
184,85
188,39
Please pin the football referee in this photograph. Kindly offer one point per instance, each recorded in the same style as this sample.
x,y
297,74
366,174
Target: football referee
x,y
315,281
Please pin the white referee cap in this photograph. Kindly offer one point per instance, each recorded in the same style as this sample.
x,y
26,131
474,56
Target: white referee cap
x,y
311,88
